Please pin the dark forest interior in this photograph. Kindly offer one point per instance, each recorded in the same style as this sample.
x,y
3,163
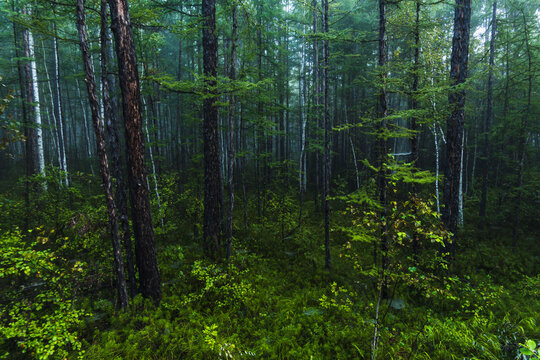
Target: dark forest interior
x,y
270,179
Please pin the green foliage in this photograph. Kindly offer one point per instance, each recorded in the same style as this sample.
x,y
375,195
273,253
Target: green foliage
x,y
38,319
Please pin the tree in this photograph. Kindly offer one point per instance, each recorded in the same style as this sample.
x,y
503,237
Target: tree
x,y
454,136
489,115
326,124
212,210
102,151
145,253
113,139
231,150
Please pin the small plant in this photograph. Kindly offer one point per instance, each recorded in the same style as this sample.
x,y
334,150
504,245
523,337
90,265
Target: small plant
x,y
529,350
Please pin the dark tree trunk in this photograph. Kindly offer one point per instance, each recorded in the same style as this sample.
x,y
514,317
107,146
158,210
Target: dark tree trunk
x,y
23,72
113,139
488,118
232,101
102,151
145,253
326,164
212,186
382,113
454,135
414,106
523,137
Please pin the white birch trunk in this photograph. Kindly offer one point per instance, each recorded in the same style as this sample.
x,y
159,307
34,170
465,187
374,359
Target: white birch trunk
x,y
436,139
62,143
302,164
37,110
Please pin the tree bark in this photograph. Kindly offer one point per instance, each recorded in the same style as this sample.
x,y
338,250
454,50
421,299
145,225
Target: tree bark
x,y
454,135
232,103
32,78
326,169
145,253
523,137
102,151
382,112
488,118
113,139
212,210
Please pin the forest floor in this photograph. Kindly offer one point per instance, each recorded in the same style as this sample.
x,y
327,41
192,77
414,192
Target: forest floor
x,y
273,300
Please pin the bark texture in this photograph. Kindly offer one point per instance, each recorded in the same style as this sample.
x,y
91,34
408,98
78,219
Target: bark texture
x,y
113,140
454,135
212,210
145,253
102,152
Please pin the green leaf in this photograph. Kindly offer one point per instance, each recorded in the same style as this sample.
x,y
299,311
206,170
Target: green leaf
x,y
531,345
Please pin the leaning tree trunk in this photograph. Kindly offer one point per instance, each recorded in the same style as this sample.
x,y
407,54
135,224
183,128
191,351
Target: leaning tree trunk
x,y
102,151
145,253
61,125
454,135
212,211
113,139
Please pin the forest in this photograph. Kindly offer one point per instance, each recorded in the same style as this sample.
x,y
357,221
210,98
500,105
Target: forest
x,y
269,179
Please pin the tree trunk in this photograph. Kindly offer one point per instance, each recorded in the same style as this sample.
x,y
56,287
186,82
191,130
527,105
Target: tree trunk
x,y
382,112
523,137
61,123
145,253
212,210
113,139
23,72
231,137
454,136
37,139
102,151
488,118
326,169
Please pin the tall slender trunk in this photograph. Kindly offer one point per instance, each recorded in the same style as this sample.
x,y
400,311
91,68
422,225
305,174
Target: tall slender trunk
x,y
52,103
414,106
488,118
232,103
523,137
326,170
61,124
145,253
85,125
102,151
316,95
212,186
454,136
382,112
33,80
23,87
113,139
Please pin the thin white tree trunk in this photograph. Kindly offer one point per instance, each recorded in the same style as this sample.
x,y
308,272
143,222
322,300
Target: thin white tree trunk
x,y
37,110
61,137
53,122
302,166
85,122
436,139
153,164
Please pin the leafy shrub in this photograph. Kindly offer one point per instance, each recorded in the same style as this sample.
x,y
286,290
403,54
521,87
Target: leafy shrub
x,y
38,315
